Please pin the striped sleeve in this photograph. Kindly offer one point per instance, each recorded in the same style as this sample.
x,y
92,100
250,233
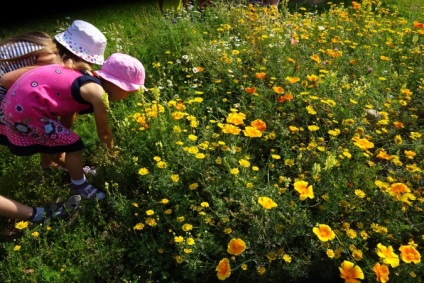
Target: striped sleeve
x,y
15,50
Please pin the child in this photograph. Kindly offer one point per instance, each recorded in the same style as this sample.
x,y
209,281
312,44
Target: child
x,y
80,46
61,210
29,114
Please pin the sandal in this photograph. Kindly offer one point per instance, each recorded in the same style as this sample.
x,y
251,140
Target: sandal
x,y
61,210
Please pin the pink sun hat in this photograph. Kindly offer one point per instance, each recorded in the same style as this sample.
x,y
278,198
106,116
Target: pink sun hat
x,y
124,71
84,40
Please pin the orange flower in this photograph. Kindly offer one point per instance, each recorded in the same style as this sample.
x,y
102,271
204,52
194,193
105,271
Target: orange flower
x,y
363,144
382,154
260,75
223,270
418,24
236,246
381,272
324,232
285,97
250,90
398,125
258,124
278,89
355,5
316,58
409,254
350,272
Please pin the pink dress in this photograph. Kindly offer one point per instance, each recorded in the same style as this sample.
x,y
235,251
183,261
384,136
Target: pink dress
x,y
30,111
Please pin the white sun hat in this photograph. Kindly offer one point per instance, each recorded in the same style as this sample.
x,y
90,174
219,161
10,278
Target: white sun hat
x,y
84,40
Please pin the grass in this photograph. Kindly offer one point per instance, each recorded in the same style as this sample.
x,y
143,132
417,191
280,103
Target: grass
x,y
252,152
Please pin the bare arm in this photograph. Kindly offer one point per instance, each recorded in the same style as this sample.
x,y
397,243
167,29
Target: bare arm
x,y
8,79
92,92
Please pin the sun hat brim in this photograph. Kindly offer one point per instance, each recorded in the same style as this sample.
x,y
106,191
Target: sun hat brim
x,y
127,86
97,59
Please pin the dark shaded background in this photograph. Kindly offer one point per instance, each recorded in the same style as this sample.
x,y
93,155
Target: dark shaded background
x,y
19,12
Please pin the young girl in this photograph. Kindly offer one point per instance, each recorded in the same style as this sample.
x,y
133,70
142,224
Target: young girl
x,y
29,114
80,46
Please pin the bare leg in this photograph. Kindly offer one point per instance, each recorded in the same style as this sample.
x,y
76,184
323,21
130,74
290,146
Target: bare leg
x,y
13,209
52,160
74,164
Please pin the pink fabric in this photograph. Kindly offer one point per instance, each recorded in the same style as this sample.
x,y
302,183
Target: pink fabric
x,y
32,106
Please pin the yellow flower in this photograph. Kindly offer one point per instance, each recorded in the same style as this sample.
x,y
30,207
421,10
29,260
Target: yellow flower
x,y
175,178
267,202
311,110
236,118
350,272
162,164
193,186
204,204
151,222
313,128
230,129
223,270
17,248
143,171
304,190
244,163
387,255
252,132
324,232
179,259
192,137
293,80
178,239
287,258
21,225
200,156
35,234
190,241
187,227
236,246
164,201
261,270
360,193
150,212
138,226
234,171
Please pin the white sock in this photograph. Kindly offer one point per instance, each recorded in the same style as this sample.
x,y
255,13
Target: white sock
x,y
78,182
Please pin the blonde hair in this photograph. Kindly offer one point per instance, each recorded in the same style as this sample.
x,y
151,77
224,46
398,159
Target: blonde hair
x,y
46,43
71,60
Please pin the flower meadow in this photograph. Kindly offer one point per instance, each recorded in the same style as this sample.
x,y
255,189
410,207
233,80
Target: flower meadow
x,y
272,145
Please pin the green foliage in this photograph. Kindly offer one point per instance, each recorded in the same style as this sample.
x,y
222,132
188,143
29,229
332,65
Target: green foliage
x,y
245,104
